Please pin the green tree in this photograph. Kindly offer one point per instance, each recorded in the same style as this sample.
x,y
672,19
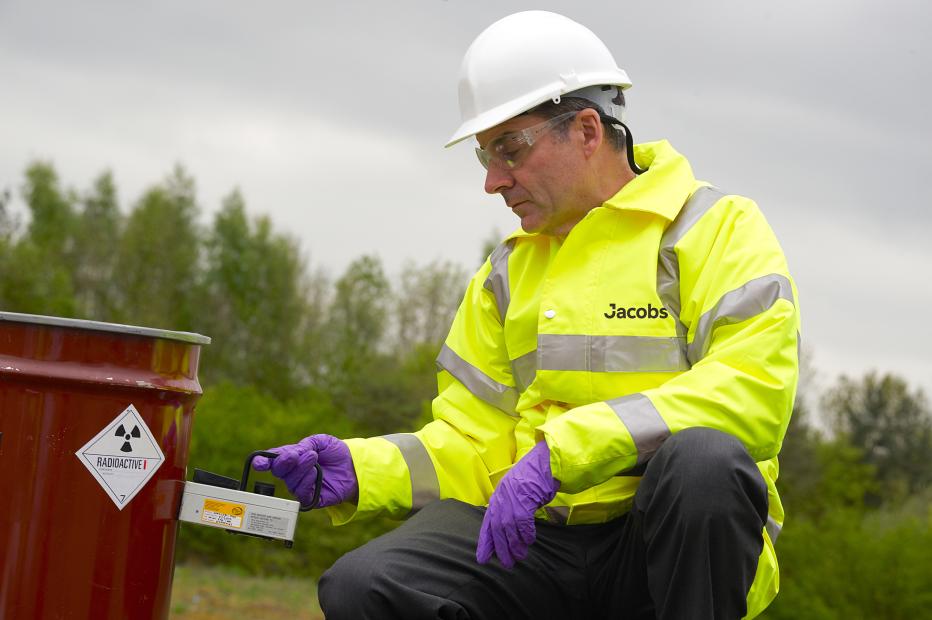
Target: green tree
x,y
8,224
158,259
892,427
368,381
52,217
8,227
425,304
261,314
97,241
357,317
37,272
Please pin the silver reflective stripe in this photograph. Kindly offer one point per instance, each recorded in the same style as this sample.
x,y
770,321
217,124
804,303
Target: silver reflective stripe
x,y
524,370
480,384
643,422
738,305
497,281
558,514
668,265
425,487
773,529
610,353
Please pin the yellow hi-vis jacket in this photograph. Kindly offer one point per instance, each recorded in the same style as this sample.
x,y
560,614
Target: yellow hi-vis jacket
x,y
668,307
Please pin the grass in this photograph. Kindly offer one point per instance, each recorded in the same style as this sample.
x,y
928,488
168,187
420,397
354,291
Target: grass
x,y
216,593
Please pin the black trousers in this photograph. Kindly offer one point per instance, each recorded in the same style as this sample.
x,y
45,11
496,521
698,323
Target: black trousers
x,y
687,549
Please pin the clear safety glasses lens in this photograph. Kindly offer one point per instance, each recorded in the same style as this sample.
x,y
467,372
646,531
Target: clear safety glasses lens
x,y
510,149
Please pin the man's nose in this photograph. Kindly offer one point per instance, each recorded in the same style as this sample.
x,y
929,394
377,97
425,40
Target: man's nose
x,y
498,178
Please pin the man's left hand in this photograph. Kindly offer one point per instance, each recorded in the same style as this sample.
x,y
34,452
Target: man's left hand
x,y
508,526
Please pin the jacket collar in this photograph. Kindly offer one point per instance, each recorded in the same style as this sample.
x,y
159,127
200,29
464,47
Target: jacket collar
x,y
663,189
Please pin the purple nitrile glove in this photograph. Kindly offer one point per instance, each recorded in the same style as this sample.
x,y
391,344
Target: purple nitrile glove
x,y
295,465
508,526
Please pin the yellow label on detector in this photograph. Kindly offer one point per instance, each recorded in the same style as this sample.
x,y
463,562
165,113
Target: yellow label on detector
x,y
226,514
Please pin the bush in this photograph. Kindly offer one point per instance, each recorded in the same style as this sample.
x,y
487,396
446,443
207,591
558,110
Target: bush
x,y
851,565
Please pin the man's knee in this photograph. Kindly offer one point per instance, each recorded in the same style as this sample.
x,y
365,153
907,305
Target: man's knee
x,y
336,584
343,588
705,470
368,581
705,448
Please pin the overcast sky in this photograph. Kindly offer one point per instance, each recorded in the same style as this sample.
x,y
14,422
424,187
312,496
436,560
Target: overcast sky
x,y
330,117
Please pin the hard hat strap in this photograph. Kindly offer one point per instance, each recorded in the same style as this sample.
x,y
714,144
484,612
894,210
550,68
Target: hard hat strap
x,y
629,142
629,150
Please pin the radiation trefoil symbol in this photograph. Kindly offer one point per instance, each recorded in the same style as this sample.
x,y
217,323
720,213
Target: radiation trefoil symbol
x,y
121,432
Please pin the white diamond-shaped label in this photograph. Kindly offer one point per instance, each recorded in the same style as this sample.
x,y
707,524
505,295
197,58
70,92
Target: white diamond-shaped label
x,y
122,457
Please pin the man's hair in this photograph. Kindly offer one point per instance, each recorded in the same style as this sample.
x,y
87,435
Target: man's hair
x,y
614,134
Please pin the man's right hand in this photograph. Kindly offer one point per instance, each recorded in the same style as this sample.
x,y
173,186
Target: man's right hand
x,y
295,466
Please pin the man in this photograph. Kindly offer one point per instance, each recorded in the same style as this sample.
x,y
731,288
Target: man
x,y
615,386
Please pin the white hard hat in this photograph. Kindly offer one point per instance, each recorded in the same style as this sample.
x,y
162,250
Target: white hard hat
x,y
525,59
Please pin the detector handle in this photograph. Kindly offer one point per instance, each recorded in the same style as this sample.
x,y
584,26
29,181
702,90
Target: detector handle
x,y
244,481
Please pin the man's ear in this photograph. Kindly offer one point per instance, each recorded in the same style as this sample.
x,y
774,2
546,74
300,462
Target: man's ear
x,y
592,131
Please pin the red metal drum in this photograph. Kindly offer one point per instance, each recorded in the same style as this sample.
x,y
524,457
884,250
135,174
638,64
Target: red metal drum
x,y
75,544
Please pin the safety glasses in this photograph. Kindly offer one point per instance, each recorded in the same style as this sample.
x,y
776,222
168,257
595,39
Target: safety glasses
x,y
510,149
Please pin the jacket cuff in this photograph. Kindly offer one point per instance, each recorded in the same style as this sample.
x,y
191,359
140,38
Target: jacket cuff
x,y
588,445
384,482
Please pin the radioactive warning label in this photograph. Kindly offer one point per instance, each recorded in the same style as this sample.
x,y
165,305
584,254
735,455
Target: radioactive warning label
x,y
223,513
122,457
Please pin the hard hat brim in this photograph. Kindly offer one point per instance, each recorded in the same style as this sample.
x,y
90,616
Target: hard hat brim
x,y
500,114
